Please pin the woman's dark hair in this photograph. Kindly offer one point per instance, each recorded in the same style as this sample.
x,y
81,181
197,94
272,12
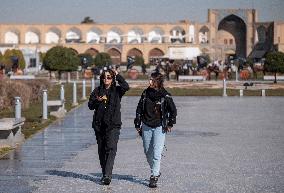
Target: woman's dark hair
x,y
158,79
112,74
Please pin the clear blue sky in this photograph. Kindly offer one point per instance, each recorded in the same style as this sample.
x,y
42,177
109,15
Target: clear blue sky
x,y
125,11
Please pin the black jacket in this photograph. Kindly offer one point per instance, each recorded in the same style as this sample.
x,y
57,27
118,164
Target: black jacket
x,y
167,109
112,107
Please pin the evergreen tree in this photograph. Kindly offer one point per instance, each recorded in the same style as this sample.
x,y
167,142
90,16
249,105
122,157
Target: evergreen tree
x,y
9,54
87,20
102,59
61,59
274,62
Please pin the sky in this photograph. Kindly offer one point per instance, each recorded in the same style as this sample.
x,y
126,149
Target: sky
x,y
128,11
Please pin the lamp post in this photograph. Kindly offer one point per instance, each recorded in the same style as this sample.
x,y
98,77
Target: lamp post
x,y
18,108
224,88
75,102
44,105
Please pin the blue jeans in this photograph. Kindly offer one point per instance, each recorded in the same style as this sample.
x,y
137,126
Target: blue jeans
x,y
153,143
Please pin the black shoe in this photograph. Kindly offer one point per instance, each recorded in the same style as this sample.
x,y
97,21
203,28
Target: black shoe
x,y
159,175
106,180
102,179
153,181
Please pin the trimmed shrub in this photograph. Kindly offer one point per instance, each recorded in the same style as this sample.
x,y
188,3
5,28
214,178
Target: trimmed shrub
x,y
30,91
11,89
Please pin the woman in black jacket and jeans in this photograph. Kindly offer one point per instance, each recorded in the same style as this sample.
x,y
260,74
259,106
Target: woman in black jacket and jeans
x,y
155,115
105,100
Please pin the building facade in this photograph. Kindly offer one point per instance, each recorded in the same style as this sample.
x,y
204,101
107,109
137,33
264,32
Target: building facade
x,y
227,32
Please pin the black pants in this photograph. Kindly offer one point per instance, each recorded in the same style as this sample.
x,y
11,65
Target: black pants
x,y
107,139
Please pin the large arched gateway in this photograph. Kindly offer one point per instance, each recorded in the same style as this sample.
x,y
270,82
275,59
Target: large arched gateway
x,y
237,28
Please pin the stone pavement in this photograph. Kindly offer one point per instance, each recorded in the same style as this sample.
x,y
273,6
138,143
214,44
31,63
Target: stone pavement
x,y
220,144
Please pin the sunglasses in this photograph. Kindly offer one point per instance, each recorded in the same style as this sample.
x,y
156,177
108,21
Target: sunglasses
x,y
107,77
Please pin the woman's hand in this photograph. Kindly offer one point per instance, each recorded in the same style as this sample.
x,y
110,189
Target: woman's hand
x,y
101,98
104,97
115,71
139,131
168,129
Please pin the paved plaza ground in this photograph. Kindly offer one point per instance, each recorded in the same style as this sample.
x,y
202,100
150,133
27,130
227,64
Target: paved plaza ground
x,y
220,144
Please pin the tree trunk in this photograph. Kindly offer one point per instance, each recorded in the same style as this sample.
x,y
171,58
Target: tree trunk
x,y
275,81
59,75
68,77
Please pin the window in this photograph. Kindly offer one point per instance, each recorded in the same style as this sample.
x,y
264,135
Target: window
x,y
261,31
231,41
32,62
225,41
279,40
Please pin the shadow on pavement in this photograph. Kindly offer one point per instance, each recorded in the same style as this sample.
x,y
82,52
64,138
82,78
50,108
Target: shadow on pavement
x,y
73,175
129,178
97,177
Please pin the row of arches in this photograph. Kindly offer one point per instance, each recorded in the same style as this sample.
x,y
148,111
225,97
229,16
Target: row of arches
x,y
232,33
115,35
116,54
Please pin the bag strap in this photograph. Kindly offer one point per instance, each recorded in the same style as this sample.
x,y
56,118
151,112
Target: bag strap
x,y
143,100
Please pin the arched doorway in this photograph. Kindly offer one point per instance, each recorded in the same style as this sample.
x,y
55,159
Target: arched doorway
x,y
204,35
73,35
156,35
114,36
53,36
177,35
92,51
134,52
94,35
115,56
32,36
12,37
237,27
135,36
156,52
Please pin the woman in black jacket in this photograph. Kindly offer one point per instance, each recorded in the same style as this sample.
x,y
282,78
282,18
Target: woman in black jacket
x,y
105,100
155,115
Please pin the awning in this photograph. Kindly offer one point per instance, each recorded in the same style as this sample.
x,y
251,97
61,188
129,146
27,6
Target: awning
x,y
183,53
257,54
231,52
